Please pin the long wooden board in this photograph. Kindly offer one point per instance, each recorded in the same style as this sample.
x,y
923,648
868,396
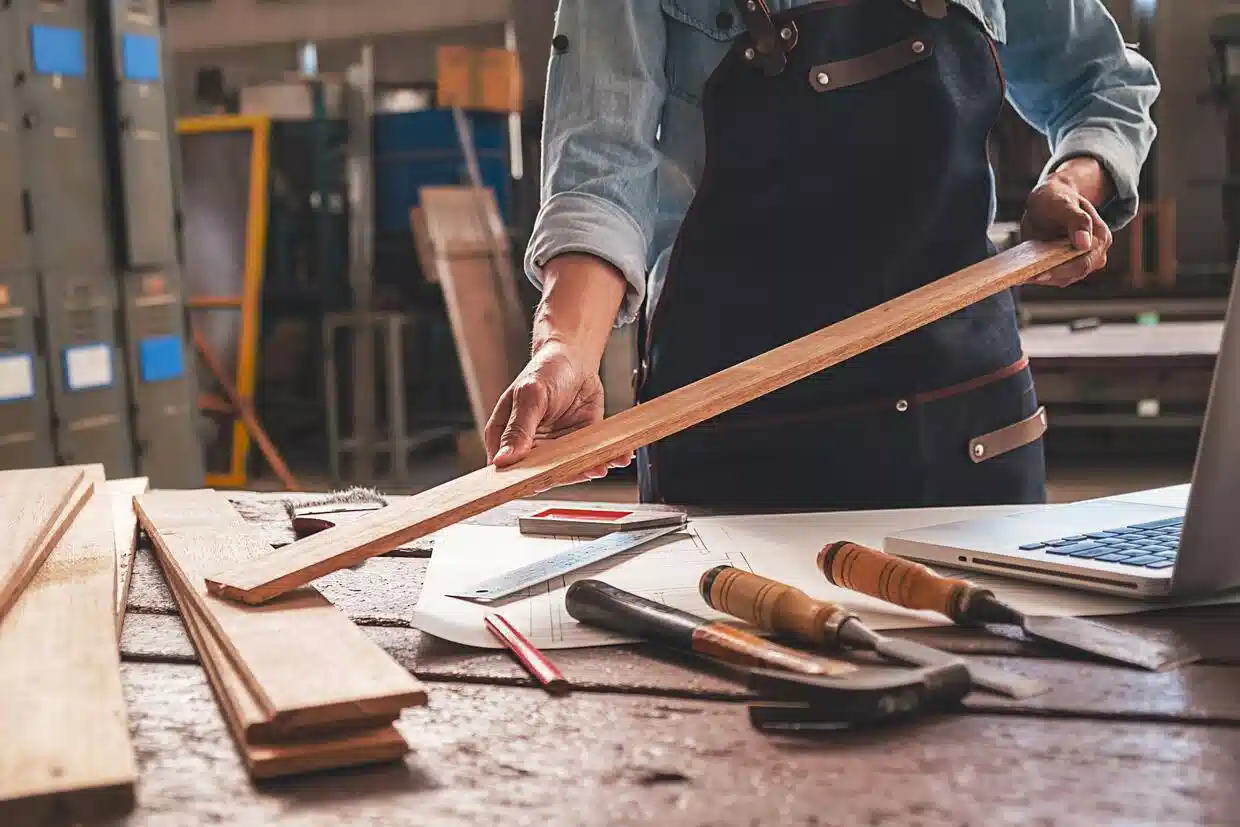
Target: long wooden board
x,y
125,530
465,238
66,745
275,649
31,502
262,756
556,461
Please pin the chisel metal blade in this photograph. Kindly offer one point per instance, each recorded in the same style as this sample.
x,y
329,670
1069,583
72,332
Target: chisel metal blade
x,y
985,677
1108,643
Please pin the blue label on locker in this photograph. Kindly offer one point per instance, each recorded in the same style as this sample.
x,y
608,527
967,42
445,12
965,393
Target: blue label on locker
x,y
161,358
140,58
88,366
57,51
16,377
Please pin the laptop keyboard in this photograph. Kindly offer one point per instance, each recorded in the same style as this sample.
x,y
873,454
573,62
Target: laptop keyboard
x,y
1147,545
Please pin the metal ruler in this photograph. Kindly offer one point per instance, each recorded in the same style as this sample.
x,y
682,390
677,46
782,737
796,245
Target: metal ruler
x,y
502,585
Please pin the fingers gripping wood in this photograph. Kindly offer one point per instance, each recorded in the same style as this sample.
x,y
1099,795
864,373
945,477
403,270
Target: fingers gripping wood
x,y
902,582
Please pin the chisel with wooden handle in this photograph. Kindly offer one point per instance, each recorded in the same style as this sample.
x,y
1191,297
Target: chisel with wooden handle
x,y
915,586
795,690
603,605
780,608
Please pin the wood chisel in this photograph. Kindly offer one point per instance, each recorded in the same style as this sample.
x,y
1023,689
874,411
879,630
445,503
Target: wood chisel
x,y
915,586
780,608
795,690
579,556
605,606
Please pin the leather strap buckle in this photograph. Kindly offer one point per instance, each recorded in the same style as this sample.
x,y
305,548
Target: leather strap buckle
x,y
1008,438
770,43
884,61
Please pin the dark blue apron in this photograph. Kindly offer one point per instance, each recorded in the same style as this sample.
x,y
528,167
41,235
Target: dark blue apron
x,y
846,164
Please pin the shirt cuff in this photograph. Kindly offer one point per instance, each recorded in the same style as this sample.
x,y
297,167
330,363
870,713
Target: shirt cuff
x,y
1120,161
575,222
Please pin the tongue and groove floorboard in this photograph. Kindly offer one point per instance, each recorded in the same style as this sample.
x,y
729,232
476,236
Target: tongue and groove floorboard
x,y
305,664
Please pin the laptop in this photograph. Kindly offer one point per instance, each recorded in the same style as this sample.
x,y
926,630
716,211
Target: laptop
x,y
1182,542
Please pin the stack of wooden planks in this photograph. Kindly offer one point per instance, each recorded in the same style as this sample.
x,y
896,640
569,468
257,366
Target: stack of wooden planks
x,y
65,750
301,686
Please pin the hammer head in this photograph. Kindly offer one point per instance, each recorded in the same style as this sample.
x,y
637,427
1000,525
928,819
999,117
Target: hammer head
x,y
788,701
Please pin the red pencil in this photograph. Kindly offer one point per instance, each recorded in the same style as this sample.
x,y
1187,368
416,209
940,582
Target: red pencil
x,y
535,661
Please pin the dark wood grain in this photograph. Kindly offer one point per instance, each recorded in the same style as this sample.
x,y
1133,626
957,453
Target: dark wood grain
x,y
502,755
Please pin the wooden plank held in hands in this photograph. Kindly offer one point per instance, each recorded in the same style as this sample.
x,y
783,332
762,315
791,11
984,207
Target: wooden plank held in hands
x,y
553,462
274,649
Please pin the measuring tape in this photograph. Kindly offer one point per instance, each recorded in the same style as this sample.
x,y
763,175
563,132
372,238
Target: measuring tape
x,y
502,585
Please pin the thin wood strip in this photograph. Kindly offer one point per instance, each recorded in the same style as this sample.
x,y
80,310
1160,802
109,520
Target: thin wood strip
x,y
365,745
66,745
31,501
275,649
125,532
77,498
556,461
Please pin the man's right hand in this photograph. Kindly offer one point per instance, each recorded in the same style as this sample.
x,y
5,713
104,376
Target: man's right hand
x,y
557,393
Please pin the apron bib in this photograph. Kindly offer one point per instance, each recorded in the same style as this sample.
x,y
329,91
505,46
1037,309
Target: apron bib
x,y
846,164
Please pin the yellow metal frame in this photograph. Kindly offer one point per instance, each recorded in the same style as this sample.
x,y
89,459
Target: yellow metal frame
x,y
250,302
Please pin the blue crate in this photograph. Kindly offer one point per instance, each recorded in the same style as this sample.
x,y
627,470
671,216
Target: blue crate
x,y
418,149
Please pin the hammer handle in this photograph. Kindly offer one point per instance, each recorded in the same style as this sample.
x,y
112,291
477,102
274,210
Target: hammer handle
x,y
771,605
898,581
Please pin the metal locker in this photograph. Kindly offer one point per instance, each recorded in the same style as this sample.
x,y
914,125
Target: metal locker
x,y
161,378
62,151
14,234
25,418
90,404
144,139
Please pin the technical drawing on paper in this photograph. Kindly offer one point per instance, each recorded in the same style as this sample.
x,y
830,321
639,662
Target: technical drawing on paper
x,y
666,570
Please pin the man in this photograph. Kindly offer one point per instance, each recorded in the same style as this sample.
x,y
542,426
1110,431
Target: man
x,y
778,167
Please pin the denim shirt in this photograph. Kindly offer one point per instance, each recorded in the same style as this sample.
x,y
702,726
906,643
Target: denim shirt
x,y
623,140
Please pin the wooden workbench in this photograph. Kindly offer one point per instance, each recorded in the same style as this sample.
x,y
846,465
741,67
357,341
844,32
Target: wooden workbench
x,y
649,739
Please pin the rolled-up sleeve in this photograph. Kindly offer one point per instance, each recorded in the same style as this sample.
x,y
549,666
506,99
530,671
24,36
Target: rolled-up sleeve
x,y
1072,77
604,96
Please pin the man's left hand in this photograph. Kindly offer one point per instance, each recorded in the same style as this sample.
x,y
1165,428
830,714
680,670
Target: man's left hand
x,y
1063,208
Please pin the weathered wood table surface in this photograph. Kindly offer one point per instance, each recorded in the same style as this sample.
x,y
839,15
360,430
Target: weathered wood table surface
x,y
647,738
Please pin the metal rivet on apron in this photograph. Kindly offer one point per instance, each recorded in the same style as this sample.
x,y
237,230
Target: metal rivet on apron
x,y
918,47
560,43
902,405
979,449
785,33
750,54
751,5
823,78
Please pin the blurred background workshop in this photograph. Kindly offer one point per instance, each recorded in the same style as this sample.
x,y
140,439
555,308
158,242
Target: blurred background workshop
x,y
298,230
253,247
